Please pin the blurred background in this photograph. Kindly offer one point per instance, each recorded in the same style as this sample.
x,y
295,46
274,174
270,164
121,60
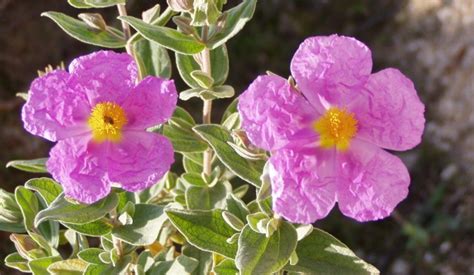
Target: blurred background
x,y
432,41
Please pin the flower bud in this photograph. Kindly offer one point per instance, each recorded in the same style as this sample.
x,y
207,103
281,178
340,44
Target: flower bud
x,y
180,5
93,20
26,246
206,12
9,210
183,24
152,14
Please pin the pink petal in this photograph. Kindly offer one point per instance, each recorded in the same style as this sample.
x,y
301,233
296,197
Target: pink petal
x,y
151,103
390,113
78,164
303,184
139,160
273,113
103,76
372,182
331,66
54,111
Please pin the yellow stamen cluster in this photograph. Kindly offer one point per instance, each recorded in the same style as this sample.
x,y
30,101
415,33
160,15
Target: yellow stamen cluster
x,y
106,121
336,128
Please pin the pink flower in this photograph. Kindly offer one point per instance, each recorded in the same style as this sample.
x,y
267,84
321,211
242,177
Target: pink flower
x,y
327,141
98,115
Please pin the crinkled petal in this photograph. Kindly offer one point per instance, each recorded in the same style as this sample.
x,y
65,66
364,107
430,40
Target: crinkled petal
x,y
54,111
152,102
273,113
372,182
77,163
139,160
303,184
334,67
104,76
390,114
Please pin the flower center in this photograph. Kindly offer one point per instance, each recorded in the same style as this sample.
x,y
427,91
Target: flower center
x,y
106,121
336,128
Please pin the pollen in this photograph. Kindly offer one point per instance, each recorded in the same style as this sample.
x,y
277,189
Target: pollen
x,y
336,128
106,122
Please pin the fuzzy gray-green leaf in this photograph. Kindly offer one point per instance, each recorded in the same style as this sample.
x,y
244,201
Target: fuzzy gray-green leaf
x,y
258,254
219,63
103,3
152,59
63,210
46,187
79,30
236,18
217,137
321,253
166,37
147,221
32,165
204,229
226,267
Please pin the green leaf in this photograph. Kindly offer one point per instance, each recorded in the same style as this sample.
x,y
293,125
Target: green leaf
x,y
103,3
237,207
304,230
205,12
12,227
194,179
224,91
256,220
206,198
184,140
32,165
29,206
183,115
321,253
217,137
183,265
233,220
190,93
231,109
90,255
79,30
231,123
236,18
15,261
40,266
203,79
46,187
161,267
43,243
204,259
144,262
204,229
166,37
240,191
65,211
191,166
219,64
152,59
258,254
68,267
80,4
11,217
119,268
226,267
147,222
94,229
93,269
